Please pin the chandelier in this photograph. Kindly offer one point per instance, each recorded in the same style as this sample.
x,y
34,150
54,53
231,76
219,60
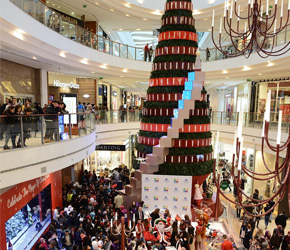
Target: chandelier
x,y
255,32
279,176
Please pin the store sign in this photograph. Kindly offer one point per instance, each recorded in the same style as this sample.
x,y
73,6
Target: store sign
x,y
111,147
71,85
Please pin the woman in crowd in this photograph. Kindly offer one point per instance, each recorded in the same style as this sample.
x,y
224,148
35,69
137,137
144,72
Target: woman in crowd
x,y
248,236
154,215
166,214
9,124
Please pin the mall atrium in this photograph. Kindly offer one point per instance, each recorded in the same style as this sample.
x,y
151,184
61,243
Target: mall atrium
x,y
144,124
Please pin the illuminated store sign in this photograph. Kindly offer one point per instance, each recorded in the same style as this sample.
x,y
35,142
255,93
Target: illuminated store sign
x,y
111,147
71,85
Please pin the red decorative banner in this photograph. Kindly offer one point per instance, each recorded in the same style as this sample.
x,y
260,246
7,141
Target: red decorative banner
x,y
195,128
141,154
182,35
173,66
203,97
158,112
178,5
175,50
177,143
154,127
149,141
187,158
168,81
163,97
184,20
170,112
187,128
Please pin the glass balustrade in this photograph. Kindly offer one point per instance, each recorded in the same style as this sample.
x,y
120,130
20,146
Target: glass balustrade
x,y
60,24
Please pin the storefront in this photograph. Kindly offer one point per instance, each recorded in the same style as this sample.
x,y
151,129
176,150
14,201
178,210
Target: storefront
x,y
104,93
26,210
19,81
71,90
280,98
110,156
116,98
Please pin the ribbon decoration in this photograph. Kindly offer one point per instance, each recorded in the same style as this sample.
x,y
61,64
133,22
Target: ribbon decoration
x,y
188,158
177,143
188,128
178,5
183,20
164,97
170,112
173,66
175,50
167,81
181,35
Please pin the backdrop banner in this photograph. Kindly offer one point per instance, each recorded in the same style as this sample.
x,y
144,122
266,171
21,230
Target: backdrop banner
x,y
167,192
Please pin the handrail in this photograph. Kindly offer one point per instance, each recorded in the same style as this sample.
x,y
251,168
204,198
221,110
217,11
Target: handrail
x,y
48,128
60,24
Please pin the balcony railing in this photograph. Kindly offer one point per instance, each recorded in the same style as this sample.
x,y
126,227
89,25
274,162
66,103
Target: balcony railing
x,y
67,28
19,131
34,130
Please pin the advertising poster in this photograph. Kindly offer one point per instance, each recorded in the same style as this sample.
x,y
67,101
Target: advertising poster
x,y
71,107
167,192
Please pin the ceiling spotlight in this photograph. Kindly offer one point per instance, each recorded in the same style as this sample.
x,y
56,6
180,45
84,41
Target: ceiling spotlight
x,y
259,74
125,70
225,71
211,1
138,29
156,12
72,13
18,35
144,19
270,64
121,76
140,1
34,58
120,29
104,66
246,68
62,54
127,15
84,61
112,10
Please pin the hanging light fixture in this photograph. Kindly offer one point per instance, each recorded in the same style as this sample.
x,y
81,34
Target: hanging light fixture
x,y
255,32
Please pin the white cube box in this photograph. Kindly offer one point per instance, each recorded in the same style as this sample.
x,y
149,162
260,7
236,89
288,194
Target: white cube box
x,y
148,168
177,123
153,160
160,151
166,142
173,132
199,76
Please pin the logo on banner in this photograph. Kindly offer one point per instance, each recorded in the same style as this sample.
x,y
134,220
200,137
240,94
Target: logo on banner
x,y
146,188
165,198
145,206
156,179
156,198
175,208
166,189
186,181
166,180
176,190
155,206
156,189
185,199
175,198
184,208
176,181
146,197
185,190
165,207
147,179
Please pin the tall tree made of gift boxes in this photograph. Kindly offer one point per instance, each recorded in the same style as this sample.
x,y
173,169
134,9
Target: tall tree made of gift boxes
x,y
175,135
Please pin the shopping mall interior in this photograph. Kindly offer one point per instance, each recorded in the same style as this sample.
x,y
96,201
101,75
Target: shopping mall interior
x,y
144,124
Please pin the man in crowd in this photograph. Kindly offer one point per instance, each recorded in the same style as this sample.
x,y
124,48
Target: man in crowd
x,y
226,245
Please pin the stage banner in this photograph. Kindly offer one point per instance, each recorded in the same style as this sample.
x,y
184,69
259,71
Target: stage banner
x,y
167,192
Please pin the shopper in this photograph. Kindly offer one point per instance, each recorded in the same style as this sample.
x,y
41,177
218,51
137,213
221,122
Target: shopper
x,y
154,216
207,54
286,242
281,219
275,240
226,245
51,118
248,236
146,52
267,216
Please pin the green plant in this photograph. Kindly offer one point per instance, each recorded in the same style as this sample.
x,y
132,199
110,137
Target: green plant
x,y
174,58
177,27
167,43
169,73
170,13
160,104
190,169
165,89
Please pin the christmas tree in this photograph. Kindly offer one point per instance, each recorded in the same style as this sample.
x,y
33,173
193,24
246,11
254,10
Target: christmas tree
x,y
175,57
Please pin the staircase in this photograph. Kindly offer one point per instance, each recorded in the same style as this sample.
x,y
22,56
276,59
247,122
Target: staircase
x,y
191,93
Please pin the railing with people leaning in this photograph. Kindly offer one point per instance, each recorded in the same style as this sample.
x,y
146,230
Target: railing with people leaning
x,y
33,130
61,24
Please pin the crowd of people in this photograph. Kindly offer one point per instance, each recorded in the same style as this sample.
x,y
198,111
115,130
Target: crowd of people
x,y
91,219
12,111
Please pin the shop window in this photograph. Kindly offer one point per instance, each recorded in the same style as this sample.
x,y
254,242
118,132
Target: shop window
x,y
27,225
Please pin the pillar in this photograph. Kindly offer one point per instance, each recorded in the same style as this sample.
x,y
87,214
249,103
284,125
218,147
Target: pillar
x,y
43,87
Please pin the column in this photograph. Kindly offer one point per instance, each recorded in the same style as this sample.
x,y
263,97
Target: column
x,y
43,87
